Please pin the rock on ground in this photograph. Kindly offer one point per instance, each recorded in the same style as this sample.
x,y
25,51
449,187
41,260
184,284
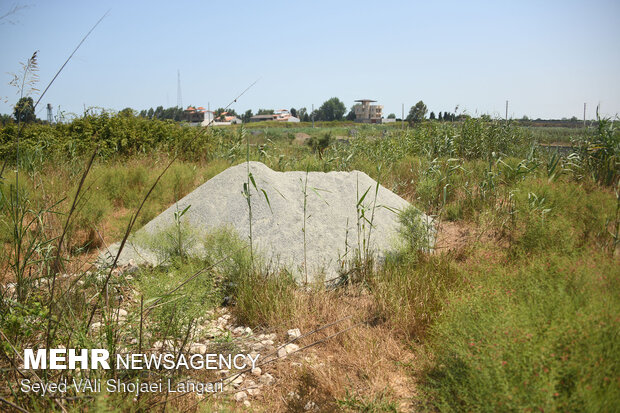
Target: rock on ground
x,y
332,213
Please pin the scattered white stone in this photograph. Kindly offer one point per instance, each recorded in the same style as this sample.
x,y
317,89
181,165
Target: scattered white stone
x,y
237,381
240,396
251,388
290,348
281,352
293,334
198,348
247,331
256,371
131,267
247,403
122,313
213,332
266,379
310,406
95,326
168,344
267,343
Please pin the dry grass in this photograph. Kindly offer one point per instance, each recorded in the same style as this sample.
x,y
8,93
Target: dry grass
x,y
368,363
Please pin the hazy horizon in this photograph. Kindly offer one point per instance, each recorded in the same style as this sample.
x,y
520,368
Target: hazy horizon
x,y
545,59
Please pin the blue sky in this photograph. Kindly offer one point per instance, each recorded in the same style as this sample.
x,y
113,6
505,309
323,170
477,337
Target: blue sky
x,y
547,57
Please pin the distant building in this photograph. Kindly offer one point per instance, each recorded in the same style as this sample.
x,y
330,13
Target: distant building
x,y
284,115
262,118
194,115
281,115
225,119
367,113
208,119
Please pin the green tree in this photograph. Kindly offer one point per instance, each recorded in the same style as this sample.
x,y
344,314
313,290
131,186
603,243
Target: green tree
x,y
417,113
265,112
4,119
391,116
127,112
293,112
303,114
24,111
432,116
159,112
331,109
246,116
351,114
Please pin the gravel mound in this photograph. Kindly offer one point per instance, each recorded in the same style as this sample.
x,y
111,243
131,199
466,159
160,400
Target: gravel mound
x,y
332,216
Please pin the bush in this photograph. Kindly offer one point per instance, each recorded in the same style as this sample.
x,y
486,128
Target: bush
x,y
414,230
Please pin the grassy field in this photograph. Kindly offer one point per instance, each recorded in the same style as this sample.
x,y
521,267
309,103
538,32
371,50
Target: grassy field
x,y
517,308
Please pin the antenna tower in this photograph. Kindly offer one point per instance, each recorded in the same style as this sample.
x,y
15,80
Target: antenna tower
x,y
179,97
50,117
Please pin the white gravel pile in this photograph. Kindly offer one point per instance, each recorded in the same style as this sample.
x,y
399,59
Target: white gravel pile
x,y
332,217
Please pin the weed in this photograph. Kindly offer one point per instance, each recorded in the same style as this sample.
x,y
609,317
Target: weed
x,y
414,230
376,404
535,335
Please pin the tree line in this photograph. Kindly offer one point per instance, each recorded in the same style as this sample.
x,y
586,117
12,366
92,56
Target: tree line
x,y
332,109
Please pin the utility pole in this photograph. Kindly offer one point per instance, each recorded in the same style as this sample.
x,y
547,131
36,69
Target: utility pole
x,y
584,115
179,96
506,112
402,117
313,115
50,116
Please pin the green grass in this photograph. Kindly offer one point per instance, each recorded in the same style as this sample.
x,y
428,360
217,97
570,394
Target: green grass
x,y
537,334
534,325
556,134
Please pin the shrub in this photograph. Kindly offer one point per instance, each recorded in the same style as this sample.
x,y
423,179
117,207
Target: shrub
x,y
414,230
